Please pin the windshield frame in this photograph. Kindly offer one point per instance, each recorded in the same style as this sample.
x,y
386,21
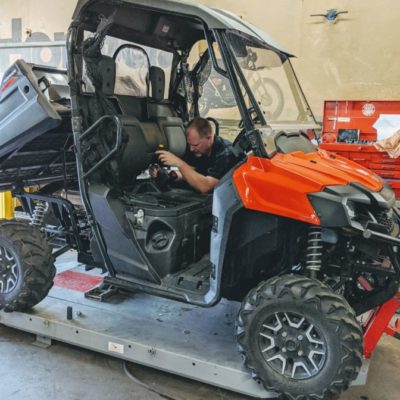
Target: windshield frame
x,y
242,86
236,78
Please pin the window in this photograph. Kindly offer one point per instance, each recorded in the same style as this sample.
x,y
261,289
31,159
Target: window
x,y
271,80
132,66
217,99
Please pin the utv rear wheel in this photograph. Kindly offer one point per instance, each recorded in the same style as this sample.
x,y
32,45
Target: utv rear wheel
x,y
299,338
26,266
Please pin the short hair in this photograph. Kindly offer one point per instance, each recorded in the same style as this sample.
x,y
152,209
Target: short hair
x,y
202,126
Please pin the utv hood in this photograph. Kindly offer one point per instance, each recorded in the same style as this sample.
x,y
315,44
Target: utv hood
x,y
320,169
282,184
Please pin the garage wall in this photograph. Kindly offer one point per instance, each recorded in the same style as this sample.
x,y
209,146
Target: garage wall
x,y
24,21
354,58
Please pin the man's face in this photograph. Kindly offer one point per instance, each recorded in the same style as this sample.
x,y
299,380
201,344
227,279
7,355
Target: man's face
x,y
199,146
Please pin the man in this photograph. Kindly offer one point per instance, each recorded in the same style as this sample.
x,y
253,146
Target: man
x,y
207,159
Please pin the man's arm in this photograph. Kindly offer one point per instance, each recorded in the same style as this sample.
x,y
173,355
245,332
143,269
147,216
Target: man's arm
x,y
201,183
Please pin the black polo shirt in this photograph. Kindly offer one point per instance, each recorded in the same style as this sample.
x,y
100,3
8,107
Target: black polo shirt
x,y
220,161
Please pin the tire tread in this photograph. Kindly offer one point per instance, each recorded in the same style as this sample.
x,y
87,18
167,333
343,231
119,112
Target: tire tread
x,y
36,255
336,310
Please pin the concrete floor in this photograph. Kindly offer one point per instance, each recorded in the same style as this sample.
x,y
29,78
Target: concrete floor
x,y
63,372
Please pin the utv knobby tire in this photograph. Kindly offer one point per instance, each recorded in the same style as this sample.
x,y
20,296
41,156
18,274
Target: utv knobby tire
x,y
34,264
331,316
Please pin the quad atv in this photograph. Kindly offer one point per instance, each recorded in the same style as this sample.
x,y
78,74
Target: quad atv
x,y
307,241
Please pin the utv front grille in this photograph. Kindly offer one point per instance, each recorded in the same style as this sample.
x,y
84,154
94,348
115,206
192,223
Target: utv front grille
x,y
387,221
384,218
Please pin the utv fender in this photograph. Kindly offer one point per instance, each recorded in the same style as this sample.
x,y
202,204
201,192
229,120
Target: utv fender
x,y
226,202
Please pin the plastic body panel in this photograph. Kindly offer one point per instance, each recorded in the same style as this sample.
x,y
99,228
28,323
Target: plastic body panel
x,y
35,127
226,203
175,229
122,251
25,113
367,156
280,185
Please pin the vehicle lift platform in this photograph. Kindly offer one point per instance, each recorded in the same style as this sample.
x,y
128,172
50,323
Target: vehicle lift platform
x,y
190,341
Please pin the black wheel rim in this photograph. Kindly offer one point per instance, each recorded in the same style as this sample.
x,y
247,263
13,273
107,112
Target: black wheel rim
x,y
9,274
292,346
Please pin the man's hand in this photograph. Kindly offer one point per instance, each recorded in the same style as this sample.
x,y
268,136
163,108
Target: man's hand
x,y
154,170
168,159
201,183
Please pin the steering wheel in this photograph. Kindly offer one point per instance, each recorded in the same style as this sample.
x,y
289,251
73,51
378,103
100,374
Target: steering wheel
x,y
216,124
239,136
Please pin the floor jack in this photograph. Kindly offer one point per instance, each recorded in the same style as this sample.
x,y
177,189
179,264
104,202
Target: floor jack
x,y
380,321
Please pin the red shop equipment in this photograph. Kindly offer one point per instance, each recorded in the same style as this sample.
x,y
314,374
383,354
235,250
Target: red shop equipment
x,y
348,131
378,322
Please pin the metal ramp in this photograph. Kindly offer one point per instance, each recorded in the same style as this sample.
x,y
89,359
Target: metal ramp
x,y
189,341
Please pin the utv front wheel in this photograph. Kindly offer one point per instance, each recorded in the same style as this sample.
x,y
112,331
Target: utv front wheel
x,y
26,266
299,338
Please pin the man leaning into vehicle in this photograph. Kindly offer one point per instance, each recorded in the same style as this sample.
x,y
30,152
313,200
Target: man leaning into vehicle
x,y
207,159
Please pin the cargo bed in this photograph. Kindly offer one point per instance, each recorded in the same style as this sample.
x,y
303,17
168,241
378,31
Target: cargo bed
x,y
36,143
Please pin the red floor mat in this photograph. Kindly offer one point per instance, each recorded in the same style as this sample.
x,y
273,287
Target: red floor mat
x,y
76,281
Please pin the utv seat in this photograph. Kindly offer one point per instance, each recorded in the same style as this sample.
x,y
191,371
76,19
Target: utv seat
x,y
157,107
143,133
162,112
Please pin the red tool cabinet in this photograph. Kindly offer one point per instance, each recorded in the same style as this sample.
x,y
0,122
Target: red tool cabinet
x,y
352,121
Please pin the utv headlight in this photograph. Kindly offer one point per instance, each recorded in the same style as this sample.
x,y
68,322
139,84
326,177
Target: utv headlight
x,y
336,205
387,193
331,210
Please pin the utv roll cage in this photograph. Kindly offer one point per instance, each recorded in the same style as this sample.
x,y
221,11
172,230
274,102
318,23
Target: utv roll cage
x,y
149,29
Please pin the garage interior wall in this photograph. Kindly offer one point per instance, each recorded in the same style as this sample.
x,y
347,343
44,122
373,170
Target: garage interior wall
x,y
354,58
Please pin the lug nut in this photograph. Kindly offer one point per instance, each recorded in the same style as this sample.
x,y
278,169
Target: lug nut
x,y
284,349
300,353
284,334
300,337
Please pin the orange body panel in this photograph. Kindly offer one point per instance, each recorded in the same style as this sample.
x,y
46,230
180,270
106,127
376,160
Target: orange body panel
x,y
368,156
280,185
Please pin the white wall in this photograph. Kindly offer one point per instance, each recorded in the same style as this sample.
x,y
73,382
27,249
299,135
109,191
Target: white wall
x,y
45,19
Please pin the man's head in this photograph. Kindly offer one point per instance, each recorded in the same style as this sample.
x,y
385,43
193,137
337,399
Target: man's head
x,y
200,137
